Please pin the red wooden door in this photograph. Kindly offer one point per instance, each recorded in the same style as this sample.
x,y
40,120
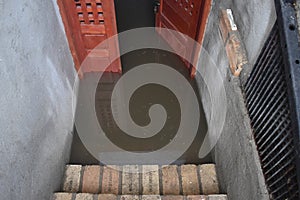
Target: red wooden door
x,y
87,24
186,16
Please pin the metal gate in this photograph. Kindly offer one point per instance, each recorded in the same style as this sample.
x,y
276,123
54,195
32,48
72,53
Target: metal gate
x,y
272,98
269,111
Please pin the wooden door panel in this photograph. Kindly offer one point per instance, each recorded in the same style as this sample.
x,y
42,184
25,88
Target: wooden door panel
x,y
73,34
93,29
181,16
87,24
175,21
185,16
91,41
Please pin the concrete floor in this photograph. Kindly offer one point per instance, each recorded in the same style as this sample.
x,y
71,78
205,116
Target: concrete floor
x,y
147,95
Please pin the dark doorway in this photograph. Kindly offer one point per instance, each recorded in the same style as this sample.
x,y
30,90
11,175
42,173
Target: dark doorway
x,y
134,14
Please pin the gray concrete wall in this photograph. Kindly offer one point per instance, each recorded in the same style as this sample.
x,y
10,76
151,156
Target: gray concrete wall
x,y
298,15
235,153
36,80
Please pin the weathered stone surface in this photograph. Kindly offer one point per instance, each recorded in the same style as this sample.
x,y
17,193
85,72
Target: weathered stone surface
x,y
107,197
172,197
72,178
151,197
84,196
150,179
130,179
110,180
62,196
208,178
129,197
217,197
196,197
91,179
170,180
189,177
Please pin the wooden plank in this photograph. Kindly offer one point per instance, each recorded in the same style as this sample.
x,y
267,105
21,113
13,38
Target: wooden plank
x,y
98,53
96,64
79,9
93,29
84,11
95,12
188,17
98,17
92,41
174,18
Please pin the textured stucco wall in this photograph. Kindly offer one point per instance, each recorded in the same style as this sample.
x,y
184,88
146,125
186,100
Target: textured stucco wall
x,y
235,153
298,15
36,80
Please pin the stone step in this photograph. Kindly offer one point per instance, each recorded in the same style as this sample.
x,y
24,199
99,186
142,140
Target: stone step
x,y
141,179
87,196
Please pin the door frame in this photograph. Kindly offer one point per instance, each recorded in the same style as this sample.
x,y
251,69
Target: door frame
x,y
206,8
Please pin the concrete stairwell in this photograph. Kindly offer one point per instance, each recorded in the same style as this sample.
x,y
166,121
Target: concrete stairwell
x,y
140,182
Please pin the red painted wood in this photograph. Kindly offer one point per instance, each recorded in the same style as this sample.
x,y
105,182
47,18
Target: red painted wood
x,y
186,16
87,24
206,7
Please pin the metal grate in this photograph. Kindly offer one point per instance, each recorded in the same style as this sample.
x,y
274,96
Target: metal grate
x,y
267,102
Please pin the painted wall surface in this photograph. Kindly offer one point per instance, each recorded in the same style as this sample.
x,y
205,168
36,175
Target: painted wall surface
x,y
298,15
36,80
236,157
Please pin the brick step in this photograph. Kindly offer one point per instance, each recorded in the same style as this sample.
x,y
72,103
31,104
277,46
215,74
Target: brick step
x,y
141,179
87,196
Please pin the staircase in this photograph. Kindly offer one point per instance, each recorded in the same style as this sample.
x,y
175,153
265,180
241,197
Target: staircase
x,y
140,182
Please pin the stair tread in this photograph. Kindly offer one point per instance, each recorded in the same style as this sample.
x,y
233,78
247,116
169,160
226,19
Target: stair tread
x,y
88,196
142,179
